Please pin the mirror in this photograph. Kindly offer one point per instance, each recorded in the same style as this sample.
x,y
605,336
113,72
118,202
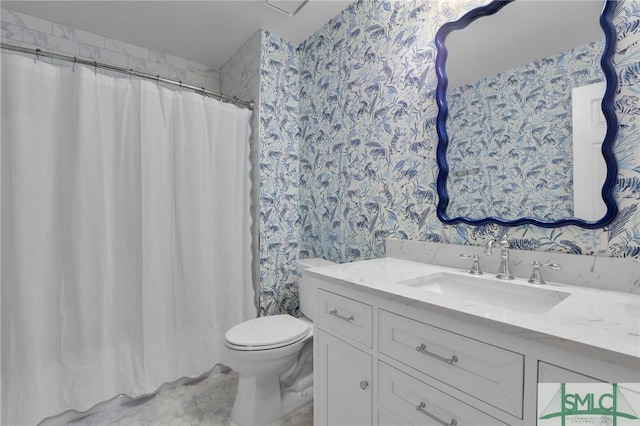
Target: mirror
x,y
516,143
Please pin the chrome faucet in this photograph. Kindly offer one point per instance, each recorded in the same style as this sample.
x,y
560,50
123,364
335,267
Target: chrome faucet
x,y
536,273
504,272
475,268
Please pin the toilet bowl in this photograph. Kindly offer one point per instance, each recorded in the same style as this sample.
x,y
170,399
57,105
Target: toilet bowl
x,y
273,358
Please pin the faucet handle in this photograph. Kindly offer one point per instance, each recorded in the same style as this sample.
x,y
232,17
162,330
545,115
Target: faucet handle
x,y
536,273
488,249
475,268
503,241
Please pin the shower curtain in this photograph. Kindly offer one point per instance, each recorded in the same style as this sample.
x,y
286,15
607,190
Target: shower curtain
x,y
125,236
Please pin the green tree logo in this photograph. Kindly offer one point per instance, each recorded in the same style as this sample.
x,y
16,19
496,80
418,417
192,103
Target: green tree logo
x,y
566,404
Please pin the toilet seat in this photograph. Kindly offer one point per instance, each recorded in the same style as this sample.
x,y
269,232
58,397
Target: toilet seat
x,y
270,332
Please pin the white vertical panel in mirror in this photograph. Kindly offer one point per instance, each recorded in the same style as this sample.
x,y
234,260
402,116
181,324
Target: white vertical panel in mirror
x,y
589,167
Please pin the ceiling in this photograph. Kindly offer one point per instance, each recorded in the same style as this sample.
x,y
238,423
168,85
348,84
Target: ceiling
x,y
207,32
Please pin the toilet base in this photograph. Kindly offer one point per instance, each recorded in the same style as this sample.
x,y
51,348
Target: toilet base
x,y
261,401
257,400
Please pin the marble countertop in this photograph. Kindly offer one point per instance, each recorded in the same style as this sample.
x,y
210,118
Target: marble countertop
x,y
603,319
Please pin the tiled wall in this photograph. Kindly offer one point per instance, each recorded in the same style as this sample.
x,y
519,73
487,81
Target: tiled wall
x,y
240,77
608,273
32,32
510,143
368,137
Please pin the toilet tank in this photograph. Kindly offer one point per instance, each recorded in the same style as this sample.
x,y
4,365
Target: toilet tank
x,y
307,290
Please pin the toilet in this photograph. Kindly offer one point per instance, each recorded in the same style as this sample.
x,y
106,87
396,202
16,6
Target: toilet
x,y
273,357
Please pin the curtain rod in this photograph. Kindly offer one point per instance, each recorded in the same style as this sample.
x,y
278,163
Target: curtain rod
x,y
40,53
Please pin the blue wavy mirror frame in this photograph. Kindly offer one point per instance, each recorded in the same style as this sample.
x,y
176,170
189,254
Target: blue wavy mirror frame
x,y
607,109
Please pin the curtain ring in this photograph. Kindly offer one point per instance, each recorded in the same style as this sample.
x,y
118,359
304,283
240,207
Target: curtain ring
x,y
73,67
221,97
130,74
204,92
95,67
37,56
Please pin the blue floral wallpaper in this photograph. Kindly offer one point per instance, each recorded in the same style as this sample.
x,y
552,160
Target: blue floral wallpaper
x,y
368,138
510,138
348,140
279,176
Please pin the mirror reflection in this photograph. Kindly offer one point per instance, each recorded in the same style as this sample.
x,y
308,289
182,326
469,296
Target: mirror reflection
x,y
525,125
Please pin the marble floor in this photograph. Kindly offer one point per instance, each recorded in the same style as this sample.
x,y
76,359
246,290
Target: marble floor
x,y
203,401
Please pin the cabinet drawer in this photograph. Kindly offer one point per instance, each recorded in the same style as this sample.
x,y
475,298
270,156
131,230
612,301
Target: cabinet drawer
x,y
346,316
420,404
486,372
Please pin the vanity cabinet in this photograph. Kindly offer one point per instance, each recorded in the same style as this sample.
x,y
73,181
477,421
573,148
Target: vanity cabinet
x,y
417,403
369,362
485,372
343,392
345,317
382,359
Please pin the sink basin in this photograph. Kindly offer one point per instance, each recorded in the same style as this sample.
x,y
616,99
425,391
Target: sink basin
x,y
534,300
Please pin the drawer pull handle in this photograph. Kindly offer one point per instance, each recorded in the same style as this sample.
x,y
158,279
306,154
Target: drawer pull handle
x,y
364,384
342,317
423,350
421,409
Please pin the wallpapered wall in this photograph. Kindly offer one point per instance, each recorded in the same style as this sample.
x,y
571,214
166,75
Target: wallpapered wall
x,y
510,138
279,176
347,144
368,137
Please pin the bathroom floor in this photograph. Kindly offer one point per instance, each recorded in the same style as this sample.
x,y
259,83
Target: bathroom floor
x,y
200,402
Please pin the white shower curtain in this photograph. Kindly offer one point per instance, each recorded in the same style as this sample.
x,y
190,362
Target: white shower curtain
x,y
125,236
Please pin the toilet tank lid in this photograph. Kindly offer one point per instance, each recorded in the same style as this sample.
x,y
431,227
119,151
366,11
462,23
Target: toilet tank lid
x,y
312,262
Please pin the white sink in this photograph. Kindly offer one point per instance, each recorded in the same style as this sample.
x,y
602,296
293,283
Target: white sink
x,y
506,294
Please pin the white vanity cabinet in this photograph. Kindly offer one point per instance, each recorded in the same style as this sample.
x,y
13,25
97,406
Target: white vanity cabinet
x,y
385,359
373,366
485,372
416,403
430,375
343,393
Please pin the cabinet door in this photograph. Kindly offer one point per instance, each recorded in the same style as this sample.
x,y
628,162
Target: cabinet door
x,y
342,377
549,373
